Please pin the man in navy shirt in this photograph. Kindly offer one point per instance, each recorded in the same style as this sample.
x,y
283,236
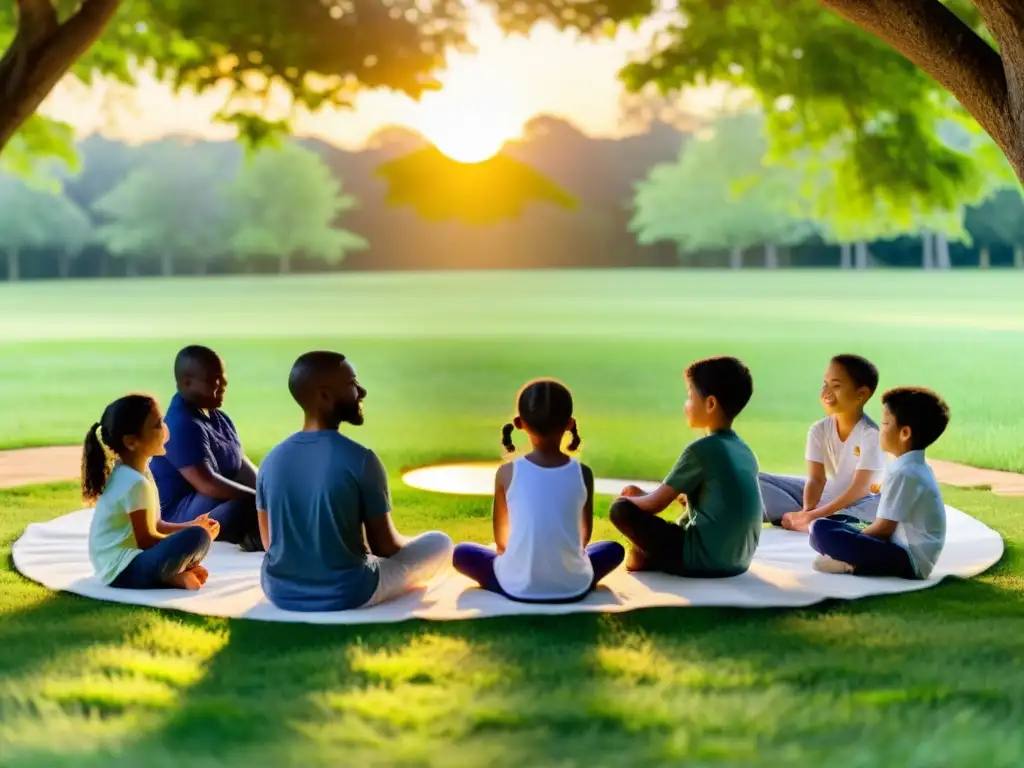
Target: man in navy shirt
x,y
205,470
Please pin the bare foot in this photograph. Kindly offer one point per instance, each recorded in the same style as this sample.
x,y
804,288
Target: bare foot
x,y
201,573
635,560
631,492
186,580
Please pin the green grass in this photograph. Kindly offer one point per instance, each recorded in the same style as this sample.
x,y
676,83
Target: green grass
x,y
927,679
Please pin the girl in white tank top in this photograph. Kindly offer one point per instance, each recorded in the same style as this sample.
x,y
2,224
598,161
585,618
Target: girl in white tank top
x,y
543,511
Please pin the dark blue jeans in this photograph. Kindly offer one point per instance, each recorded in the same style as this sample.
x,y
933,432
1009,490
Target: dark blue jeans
x,y
868,555
154,567
477,562
237,517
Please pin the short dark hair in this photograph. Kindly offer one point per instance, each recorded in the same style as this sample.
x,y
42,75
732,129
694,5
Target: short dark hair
x,y
727,379
308,367
923,410
863,372
193,355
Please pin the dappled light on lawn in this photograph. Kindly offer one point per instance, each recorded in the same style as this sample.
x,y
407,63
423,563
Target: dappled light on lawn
x,y
440,188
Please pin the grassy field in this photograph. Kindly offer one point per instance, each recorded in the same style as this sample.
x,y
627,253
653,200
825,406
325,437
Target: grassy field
x,y
929,679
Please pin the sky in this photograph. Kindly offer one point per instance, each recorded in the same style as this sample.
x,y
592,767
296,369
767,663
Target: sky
x,y
491,94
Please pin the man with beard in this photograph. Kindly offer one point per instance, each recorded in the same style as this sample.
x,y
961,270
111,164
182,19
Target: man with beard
x,y
205,470
325,509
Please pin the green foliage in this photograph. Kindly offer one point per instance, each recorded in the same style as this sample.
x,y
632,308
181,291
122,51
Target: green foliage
x,y
40,218
285,202
721,194
441,189
999,219
319,53
167,207
829,90
41,138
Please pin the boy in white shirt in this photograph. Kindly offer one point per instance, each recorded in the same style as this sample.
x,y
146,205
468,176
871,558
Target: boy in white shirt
x,y
908,536
844,461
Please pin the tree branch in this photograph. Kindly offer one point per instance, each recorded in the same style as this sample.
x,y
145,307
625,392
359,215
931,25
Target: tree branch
x,y
935,39
42,53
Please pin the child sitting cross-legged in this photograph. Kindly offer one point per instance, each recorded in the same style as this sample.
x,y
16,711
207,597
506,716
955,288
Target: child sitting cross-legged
x,y
910,530
844,461
716,476
543,511
129,545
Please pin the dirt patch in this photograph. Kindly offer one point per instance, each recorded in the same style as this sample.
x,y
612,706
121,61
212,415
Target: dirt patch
x,y
32,466
963,476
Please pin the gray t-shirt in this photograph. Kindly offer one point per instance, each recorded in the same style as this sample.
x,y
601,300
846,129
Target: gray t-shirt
x,y
317,489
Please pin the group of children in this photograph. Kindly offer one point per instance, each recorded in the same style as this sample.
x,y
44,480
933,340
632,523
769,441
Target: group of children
x,y
863,517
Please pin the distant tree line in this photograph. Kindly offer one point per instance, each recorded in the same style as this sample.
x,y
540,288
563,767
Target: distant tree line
x,y
660,198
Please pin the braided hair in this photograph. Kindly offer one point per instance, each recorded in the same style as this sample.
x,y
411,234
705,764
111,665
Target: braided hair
x,y
545,406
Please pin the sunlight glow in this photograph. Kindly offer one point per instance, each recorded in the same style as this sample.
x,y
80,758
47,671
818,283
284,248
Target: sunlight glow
x,y
478,108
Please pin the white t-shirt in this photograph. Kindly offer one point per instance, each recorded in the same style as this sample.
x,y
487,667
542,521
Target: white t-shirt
x,y
861,450
112,543
911,498
545,558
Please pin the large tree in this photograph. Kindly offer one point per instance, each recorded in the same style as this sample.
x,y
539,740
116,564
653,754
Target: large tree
x,y
168,208
875,89
285,202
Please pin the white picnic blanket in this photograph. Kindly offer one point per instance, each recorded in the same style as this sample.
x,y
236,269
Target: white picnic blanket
x,y
55,554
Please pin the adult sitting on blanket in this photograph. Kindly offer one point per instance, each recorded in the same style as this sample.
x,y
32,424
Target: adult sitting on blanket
x,y
205,471
323,500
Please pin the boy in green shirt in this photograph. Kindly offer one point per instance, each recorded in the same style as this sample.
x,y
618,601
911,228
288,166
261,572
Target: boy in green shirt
x,y
716,477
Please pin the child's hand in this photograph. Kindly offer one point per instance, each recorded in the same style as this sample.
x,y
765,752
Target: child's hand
x,y
631,492
210,525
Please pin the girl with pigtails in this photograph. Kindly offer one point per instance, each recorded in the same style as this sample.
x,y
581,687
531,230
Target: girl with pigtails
x,y
129,545
543,511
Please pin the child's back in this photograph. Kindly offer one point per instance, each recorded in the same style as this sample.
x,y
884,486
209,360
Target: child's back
x,y
719,475
545,557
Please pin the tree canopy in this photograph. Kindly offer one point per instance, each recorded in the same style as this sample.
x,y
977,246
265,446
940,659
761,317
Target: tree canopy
x,y
873,94
285,202
169,208
32,218
720,195
318,52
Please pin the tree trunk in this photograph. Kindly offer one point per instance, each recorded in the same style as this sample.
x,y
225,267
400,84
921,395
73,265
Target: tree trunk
x,y
285,264
985,259
13,273
166,264
927,251
846,256
64,265
942,260
42,51
861,255
201,267
771,256
736,258
1018,257
130,269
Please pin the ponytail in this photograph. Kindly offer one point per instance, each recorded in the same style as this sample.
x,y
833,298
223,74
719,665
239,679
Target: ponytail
x,y
104,442
575,444
95,465
506,437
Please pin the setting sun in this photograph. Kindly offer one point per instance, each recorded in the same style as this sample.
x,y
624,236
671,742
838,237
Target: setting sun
x,y
476,110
